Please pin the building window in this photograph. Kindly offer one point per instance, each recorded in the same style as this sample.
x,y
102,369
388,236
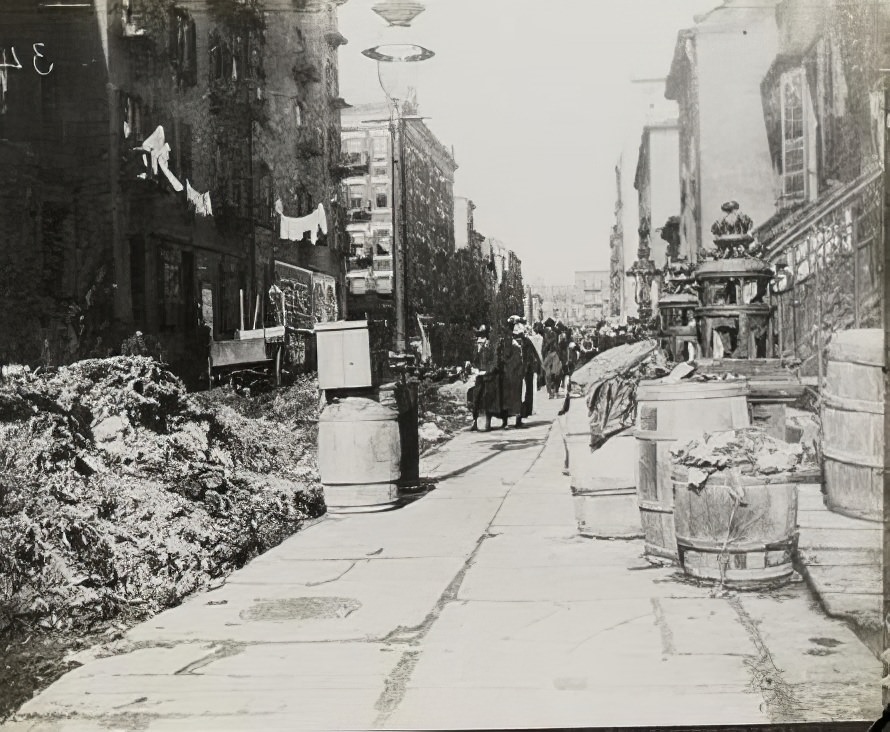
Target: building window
x,y
181,155
4,81
228,57
381,197
794,127
353,145
356,197
183,52
380,148
131,114
381,171
170,300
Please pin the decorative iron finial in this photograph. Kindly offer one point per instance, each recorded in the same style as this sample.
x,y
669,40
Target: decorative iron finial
x,y
732,233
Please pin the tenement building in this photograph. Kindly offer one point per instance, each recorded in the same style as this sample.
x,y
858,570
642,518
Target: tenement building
x,y
159,159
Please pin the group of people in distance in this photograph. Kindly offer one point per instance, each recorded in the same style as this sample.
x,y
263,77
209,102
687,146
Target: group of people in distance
x,y
510,371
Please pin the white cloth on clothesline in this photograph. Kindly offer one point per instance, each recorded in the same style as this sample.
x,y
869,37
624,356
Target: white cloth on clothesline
x,y
159,150
294,229
201,201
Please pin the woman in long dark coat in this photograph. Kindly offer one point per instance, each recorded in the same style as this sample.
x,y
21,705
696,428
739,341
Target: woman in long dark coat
x,y
553,365
512,376
486,392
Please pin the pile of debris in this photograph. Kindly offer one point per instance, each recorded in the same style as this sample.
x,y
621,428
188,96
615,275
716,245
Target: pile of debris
x,y
748,451
120,494
442,411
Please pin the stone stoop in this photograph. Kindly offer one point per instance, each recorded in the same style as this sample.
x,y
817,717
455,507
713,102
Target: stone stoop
x,y
841,559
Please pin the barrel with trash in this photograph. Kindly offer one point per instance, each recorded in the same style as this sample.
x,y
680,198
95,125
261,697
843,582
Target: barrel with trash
x,y
853,424
735,507
667,411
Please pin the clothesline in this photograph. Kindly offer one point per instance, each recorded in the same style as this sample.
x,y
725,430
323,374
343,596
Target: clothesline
x,y
294,229
291,229
159,158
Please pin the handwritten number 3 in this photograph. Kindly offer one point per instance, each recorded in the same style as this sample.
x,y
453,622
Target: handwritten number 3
x,y
39,54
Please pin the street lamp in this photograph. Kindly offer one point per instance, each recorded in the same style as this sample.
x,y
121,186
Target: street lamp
x,y
396,72
399,12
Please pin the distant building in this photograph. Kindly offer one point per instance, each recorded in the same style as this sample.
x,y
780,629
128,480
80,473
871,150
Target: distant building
x,y
657,182
463,222
426,201
366,147
592,301
648,106
715,78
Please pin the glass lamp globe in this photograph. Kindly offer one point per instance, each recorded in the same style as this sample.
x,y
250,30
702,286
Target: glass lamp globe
x,y
397,68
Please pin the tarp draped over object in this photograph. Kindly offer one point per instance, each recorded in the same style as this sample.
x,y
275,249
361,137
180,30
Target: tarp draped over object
x,y
610,382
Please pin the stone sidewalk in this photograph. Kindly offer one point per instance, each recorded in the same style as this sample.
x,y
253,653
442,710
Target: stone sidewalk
x,y
477,606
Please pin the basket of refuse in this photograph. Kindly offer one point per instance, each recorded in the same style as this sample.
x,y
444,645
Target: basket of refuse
x,y
735,507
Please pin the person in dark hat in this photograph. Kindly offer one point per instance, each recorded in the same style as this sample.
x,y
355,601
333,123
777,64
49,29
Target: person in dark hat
x,y
486,396
512,368
533,367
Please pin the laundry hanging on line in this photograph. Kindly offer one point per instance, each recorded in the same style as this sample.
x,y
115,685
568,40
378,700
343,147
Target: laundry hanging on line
x,y
157,147
201,201
294,229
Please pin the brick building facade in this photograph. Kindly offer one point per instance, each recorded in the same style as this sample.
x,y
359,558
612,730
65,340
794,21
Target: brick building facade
x,y
105,244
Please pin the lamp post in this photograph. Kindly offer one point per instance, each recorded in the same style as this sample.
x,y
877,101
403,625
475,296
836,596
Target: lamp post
x,y
396,66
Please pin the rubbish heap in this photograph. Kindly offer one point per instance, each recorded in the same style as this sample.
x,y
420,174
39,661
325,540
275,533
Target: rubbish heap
x,y
749,451
120,494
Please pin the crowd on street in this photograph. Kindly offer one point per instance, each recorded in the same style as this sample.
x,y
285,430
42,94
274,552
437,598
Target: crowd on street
x,y
529,358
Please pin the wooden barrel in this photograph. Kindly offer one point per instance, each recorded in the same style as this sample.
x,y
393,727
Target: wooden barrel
x,y
667,413
747,544
359,452
853,424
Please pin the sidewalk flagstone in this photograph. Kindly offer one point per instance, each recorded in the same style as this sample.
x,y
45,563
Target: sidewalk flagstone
x,y
476,606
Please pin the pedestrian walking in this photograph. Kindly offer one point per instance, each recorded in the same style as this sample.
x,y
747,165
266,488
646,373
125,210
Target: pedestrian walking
x,y
486,397
562,348
532,367
510,363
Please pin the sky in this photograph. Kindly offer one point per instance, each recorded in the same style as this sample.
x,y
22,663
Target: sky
x,y
533,95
